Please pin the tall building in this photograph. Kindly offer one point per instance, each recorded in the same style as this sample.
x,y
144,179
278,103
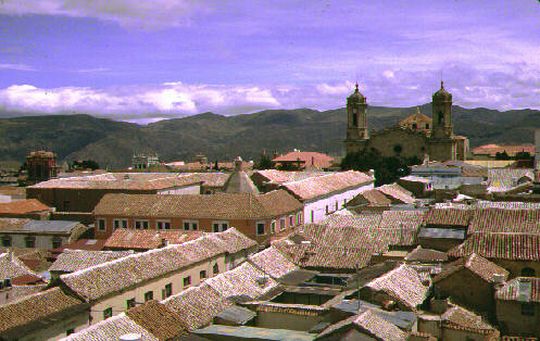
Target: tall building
x,y
415,136
41,166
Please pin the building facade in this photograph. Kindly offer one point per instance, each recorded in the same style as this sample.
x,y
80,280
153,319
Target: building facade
x,y
414,137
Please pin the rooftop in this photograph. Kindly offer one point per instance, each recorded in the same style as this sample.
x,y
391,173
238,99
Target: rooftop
x,y
478,265
37,226
148,239
273,263
74,260
510,246
520,289
307,159
23,207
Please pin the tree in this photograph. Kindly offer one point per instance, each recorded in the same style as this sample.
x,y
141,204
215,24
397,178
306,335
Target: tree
x,y
502,155
264,162
387,169
523,156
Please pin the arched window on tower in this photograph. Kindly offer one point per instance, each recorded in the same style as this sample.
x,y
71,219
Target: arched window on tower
x,y
441,117
355,119
528,272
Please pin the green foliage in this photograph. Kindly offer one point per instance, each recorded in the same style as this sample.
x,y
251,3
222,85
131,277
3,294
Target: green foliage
x,y
264,162
502,156
387,169
523,156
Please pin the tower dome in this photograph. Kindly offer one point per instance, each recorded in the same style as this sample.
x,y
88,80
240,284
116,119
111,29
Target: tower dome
x,y
442,94
356,96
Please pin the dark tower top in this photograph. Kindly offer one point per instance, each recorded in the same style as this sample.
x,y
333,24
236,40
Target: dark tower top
x,y
442,94
356,96
442,114
357,125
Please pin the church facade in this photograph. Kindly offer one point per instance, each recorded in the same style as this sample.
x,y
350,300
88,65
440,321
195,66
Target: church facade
x,y
416,136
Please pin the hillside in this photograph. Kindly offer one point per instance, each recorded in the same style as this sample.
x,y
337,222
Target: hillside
x,y
112,143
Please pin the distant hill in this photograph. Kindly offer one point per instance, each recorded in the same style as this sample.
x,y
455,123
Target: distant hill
x,y
112,143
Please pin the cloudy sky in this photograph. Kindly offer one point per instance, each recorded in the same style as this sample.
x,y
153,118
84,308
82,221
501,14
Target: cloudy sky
x,y
147,60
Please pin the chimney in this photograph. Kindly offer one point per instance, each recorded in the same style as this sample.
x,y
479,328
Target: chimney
x,y
131,337
238,164
164,242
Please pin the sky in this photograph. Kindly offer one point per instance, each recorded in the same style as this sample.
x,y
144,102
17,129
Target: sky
x,y
143,61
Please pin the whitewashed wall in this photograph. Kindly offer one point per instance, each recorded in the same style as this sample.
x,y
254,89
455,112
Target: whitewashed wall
x,y
318,205
193,189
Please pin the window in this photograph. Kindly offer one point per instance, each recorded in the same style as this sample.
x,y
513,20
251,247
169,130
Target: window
x,y
167,291
107,313
187,281
291,220
141,224
163,225
101,224
312,216
130,303
220,226
120,223
202,274
415,126
56,242
30,242
326,209
282,225
427,125
6,241
149,295
191,225
216,269
260,229
273,227
70,331
527,309
298,218
528,272
337,206
66,205
355,120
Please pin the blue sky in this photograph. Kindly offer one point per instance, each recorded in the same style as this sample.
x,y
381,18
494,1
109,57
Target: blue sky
x,y
147,60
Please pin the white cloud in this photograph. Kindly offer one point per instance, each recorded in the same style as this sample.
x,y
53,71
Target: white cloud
x,y
17,67
130,13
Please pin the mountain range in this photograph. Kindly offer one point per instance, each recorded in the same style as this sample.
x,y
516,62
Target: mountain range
x,y
112,143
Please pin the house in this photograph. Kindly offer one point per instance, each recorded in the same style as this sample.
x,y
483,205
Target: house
x,y
370,200
397,194
82,193
425,256
42,234
117,285
490,151
298,160
419,186
445,227
257,216
270,179
46,315
470,281
367,325
323,195
16,279
74,260
144,240
518,306
403,286
519,253
457,323
29,208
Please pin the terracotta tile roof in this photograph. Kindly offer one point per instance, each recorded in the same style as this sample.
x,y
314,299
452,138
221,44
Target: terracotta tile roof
x,y
412,178
402,284
458,318
148,239
23,207
36,307
478,265
449,216
11,266
231,241
31,226
13,224
312,188
508,205
510,246
505,220
279,202
402,219
209,179
113,276
426,255
280,177
363,221
307,159
273,262
371,197
111,329
243,281
369,322
287,308
125,181
511,150
396,193
74,260
215,206
82,244
157,319
27,279
521,289
197,306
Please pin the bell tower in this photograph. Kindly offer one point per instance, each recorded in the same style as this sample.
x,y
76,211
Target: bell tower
x,y
357,125
442,113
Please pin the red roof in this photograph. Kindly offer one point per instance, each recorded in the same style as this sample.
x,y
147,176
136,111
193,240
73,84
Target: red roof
x,y
511,150
148,239
27,279
23,207
307,159
510,246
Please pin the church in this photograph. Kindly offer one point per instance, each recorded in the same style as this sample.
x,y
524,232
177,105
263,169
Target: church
x,y
416,136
